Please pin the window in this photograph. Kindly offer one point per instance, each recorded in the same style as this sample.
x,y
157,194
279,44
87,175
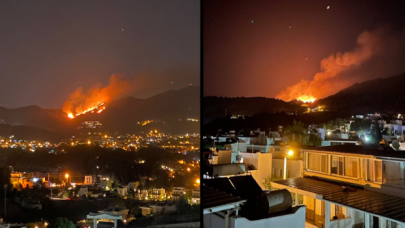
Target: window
x,y
393,173
351,167
317,162
344,166
372,170
336,165
377,171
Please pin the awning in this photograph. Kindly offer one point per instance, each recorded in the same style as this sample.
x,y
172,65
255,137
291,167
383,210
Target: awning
x,y
383,205
215,201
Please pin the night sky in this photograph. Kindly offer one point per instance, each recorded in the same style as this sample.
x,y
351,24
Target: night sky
x,y
259,48
49,48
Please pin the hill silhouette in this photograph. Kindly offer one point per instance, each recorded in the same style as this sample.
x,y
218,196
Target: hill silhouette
x,y
218,107
378,95
170,108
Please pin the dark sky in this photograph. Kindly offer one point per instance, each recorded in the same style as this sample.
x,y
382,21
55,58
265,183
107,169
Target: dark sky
x,y
262,58
49,48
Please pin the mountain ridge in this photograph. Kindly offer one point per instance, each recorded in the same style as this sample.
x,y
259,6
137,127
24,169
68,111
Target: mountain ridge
x,y
121,115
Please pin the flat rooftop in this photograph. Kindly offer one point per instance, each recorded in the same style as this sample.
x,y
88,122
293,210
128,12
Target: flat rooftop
x,y
391,207
378,151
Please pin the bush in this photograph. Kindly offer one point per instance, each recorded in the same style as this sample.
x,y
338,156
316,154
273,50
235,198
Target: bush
x,y
61,223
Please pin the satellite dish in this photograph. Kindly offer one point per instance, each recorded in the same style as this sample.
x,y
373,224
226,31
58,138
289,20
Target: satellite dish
x,y
395,144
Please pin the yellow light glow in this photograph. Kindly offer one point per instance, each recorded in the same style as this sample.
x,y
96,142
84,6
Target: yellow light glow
x,y
290,152
88,142
71,116
67,175
306,98
198,181
188,169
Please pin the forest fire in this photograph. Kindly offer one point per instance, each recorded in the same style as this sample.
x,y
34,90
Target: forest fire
x,y
98,109
306,98
325,82
93,101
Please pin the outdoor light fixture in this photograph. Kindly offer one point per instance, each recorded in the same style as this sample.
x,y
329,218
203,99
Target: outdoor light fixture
x,y
290,153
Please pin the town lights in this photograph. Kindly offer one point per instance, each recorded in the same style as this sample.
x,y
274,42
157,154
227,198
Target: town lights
x,y
198,181
88,142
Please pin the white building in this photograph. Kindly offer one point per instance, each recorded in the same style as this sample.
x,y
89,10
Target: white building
x,y
122,191
88,180
83,191
178,192
158,193
195,194
350,186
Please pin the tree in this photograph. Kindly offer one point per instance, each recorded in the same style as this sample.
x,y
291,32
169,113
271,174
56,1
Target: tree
x,y
56,180
296,133
360,125
313,140
5,179
61,223
182,205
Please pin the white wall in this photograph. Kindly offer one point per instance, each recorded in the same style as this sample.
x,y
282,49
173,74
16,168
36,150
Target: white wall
x,y
263,164
294,167
296,220
213,221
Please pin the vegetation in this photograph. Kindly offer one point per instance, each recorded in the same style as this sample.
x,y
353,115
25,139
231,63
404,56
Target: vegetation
x,y
360,125
313,140
61,223
296,133
335,124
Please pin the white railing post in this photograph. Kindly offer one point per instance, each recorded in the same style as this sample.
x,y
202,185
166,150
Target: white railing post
x,y
366,220
327,214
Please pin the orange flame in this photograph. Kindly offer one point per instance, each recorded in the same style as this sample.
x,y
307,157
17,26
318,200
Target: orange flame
x,y
306,98
81,102
331,67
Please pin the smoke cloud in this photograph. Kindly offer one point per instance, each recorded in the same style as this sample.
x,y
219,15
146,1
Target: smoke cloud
x,y
81,101
329,80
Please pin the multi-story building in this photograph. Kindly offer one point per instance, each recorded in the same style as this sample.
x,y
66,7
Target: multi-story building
x,y
158,193
350,186
195,196
178,192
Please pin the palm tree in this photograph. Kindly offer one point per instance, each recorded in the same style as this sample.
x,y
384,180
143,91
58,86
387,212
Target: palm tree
x,y
296,133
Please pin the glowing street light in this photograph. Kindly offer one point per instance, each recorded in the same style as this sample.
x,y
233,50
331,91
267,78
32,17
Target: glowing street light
x,y
289,153
198,181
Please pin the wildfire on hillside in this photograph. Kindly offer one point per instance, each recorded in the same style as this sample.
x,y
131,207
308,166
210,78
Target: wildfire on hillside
x,y
306,98
98,109
325,82
93,100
